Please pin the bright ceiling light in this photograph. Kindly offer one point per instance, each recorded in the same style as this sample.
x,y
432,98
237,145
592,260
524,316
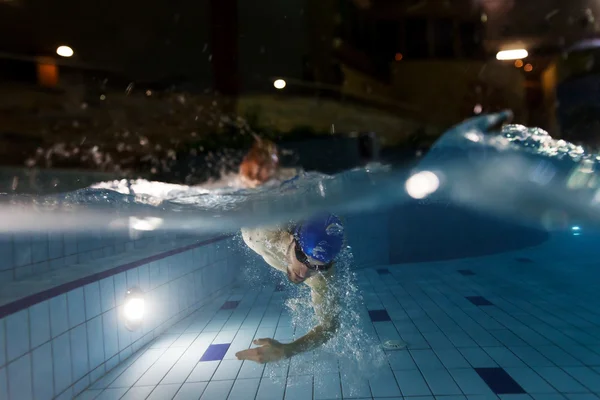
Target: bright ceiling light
x,y
279,84
515,54
64,51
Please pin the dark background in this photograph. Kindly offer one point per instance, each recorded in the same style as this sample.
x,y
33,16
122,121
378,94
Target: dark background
x,y
171,90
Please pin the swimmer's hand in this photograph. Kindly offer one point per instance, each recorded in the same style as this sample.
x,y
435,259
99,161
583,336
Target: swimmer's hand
x,y
270,350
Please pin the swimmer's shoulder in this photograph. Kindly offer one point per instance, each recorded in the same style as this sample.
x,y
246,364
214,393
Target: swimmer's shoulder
x,y
264,234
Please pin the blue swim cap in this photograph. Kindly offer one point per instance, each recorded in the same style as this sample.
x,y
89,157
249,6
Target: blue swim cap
x,y
321,237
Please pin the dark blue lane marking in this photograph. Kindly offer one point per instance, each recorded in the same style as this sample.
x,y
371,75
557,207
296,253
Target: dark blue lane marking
x,y
383,271
379,316
215,352
466,272
230,305
499,381
479,301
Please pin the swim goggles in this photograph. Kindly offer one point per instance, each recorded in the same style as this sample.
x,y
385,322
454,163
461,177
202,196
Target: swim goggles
x,y
303,258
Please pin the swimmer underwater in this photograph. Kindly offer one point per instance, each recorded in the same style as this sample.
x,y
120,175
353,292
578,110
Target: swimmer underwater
x,y
306,253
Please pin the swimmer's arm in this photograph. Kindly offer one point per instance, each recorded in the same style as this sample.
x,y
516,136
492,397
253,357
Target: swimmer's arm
x,y
326,309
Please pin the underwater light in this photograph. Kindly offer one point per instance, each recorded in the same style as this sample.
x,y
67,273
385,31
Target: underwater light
x,y
134,308
515,54
64,51
279,84
422,184
145,224
575,228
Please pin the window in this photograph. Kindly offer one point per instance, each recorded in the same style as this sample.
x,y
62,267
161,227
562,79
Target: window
x,y
444,38
417,45
469,39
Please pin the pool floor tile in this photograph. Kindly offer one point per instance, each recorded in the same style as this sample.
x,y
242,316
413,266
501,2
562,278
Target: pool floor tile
x,y
536,342
379,315
215,352
499,381
230,305
479,301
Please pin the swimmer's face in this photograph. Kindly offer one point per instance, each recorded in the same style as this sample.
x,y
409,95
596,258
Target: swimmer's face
x,y
296,271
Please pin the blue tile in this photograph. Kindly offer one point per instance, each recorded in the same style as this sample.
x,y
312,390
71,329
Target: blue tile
x,y
17,335
162,392
79,351
586,376
530,381
470,383
426,359
411,383
2,342
110,330
379,315
133,278
39,319
6,252
59,317
563,382
138,393
228,369
452,358
355,387
161,368
440,382
230,305
39,247
144,277
107,293
19,376
93,306
62,364
401,360
384,384
21,250
96,338
112,394
499,381
299,388
120,287
42,372
383,271
76,307
3,384
218,390
270,389
244,389
55,245
215,352
479,301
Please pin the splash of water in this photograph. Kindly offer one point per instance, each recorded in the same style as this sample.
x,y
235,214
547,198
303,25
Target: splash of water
x,y
355,351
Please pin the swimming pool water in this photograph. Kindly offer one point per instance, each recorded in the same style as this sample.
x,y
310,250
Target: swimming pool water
x,y
491,280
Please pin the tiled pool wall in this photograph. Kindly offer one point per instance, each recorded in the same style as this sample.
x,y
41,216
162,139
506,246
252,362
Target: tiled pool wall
x,y
57,347
24,255
369,237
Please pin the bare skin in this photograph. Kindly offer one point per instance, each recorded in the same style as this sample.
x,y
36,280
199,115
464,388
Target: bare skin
x,y
324,302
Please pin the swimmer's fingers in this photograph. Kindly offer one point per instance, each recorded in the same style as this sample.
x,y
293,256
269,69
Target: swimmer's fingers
x,y
262,342
250,354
